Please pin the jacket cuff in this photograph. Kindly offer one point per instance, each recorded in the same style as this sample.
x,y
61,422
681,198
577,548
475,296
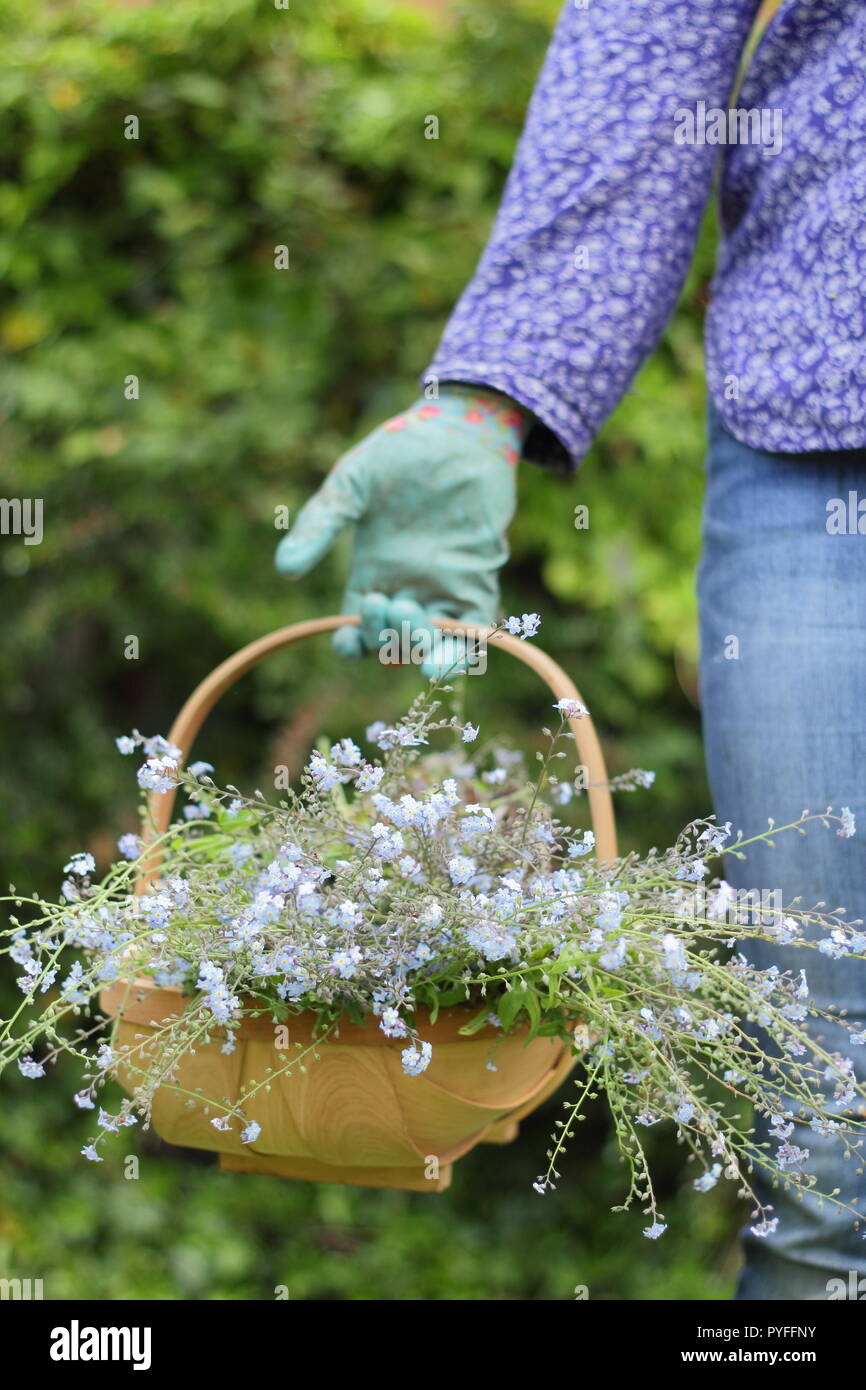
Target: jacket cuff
x,y
558,437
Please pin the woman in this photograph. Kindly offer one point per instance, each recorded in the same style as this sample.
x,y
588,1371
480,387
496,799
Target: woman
x,y
589,250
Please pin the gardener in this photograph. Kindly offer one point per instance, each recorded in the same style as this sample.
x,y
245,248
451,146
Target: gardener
x,y
590,248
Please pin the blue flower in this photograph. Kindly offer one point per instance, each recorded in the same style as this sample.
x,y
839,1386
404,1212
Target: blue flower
x,y
692,873
369,778
525,626
218,998
81,864
348,915
267,907
674,952
345,963
765,1227
70,987
609,918
791,1156
708,1180
714,837
580,847
346,753
613,958
570,709
461,868
831,948
158,774
495,777
648,1024
157,747
491,939
416,1058
431,913
392,1024
388,844
323,773
156,908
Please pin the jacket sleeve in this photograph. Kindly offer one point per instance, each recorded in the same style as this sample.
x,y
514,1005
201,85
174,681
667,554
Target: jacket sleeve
x,y
600,213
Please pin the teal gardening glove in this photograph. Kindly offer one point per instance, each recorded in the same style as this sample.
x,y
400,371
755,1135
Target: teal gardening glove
x,y
430,494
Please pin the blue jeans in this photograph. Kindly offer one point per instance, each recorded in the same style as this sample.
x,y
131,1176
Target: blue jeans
x,y
784,713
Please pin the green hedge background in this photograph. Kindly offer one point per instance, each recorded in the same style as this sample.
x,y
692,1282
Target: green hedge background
x,y
260,126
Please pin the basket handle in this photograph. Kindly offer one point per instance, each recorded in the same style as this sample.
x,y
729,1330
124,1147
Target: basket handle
x,y
205,696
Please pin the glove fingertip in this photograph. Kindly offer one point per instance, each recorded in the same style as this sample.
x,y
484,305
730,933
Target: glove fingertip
x,y
348,643
292,558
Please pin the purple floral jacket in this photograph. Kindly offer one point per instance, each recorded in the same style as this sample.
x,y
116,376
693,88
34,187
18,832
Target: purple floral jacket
x,y
600,213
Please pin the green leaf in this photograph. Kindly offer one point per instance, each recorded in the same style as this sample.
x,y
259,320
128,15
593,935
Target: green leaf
x,y
428,996
477,1023
355,1012
510,1005
533,1008
278,1008
454,995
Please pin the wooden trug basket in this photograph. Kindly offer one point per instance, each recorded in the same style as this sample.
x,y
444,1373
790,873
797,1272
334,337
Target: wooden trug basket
x,y
353,1116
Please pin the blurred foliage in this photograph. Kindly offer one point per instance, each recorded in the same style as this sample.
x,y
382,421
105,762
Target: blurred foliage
x,y
154,257
184,1230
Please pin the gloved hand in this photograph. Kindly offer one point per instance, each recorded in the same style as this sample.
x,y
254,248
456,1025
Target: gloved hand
x,y
431,493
